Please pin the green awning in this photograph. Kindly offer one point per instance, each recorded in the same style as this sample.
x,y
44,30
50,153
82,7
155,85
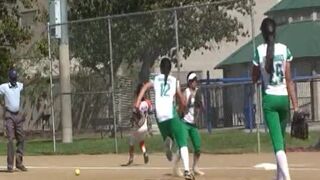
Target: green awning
x,y
302,38
294,4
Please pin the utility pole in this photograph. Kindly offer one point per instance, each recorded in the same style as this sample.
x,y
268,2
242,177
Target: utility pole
x,y
177,42
65,87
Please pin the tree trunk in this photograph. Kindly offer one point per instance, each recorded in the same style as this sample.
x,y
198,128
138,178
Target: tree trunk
x,y
148,61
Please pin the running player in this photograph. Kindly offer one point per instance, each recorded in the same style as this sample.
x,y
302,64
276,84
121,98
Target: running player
x,y
169,123
189,119
272,62
139,134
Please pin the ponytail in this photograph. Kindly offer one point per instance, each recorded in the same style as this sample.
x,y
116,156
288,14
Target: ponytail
x,y
268,29
270,55
166,78
165,68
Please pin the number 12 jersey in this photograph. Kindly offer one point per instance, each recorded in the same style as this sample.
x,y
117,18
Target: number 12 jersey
x,y
164,96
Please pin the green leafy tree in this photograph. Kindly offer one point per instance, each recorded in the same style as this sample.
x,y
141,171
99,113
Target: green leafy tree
x,y
11,34
143,38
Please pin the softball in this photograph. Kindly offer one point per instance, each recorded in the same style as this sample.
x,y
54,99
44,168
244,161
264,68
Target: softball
x,y
77,172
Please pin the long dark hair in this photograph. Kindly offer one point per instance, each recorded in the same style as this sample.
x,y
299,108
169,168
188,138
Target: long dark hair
x,y
165,68
268,30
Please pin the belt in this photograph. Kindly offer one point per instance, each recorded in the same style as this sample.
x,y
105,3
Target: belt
x,y
12,111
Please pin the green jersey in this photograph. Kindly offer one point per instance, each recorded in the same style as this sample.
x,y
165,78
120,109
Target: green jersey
x,y
164,96
273,83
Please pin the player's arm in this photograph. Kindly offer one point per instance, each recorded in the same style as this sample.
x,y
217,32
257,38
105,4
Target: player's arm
x,y
181,97
187,96
290,86
143,90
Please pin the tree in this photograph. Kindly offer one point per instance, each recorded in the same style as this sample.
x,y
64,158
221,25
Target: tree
x,y
143,38
18,48
11,33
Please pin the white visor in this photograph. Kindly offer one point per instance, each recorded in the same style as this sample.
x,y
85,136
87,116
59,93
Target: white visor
x,y
192,76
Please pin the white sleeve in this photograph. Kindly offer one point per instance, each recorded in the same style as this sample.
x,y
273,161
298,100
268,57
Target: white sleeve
x,y
2,90
20,86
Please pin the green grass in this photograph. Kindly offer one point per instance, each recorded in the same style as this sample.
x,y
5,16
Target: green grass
x,y
220,141
237,141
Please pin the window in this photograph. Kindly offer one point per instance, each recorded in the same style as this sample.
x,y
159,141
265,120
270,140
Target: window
x,y
301,15
27,17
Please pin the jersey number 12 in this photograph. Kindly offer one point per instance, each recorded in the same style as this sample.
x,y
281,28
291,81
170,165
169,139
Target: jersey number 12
x,y
164,89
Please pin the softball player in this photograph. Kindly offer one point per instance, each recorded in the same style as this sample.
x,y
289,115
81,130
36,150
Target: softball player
x,y
141,131
272,63
169,123
14,120
189,121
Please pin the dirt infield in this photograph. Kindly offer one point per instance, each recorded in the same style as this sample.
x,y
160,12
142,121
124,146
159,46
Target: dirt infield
x,y
304,165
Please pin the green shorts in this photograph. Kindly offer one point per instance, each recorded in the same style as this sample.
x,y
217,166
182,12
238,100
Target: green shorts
x,y
276,114
175,129
194,135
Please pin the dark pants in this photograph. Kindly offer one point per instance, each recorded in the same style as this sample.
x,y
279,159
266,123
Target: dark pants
x,y
14,129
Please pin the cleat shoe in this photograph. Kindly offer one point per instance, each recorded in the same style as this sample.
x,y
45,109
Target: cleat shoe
x,y
128,163
22,168
176,172
10,170
197,172
145,158
188,175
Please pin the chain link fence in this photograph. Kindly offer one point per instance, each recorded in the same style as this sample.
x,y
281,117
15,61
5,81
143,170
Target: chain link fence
x,y
129,47
234,104
110,55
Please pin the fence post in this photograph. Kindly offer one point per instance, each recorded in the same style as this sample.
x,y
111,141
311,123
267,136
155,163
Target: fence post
x,y
112,86
208,106
177,42
257,87
315,98
51,93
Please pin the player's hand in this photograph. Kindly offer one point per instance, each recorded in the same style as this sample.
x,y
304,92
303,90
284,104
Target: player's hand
x,y
136,105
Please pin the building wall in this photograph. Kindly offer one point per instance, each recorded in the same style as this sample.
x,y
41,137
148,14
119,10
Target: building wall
x,y
317,66
302,68
237,70
296,15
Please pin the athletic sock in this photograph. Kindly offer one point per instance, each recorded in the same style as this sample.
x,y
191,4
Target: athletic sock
x,y
143,147
176,159
195,160
185,157
279,174
283,164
